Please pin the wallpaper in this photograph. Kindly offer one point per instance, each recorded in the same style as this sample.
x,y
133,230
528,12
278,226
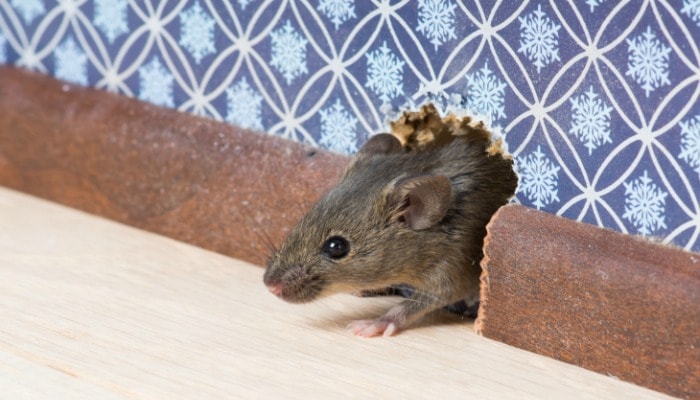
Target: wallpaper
x,y
598,100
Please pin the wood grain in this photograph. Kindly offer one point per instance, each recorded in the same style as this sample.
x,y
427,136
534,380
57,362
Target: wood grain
x,y
612,303
95,309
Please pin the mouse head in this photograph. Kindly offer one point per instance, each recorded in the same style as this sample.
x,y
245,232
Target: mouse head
x,y
363,232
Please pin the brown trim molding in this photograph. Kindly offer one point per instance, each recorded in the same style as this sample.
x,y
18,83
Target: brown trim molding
x,y
612,303
193,179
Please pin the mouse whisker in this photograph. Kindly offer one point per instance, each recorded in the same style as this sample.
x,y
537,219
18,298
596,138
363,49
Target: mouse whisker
x,y
259,231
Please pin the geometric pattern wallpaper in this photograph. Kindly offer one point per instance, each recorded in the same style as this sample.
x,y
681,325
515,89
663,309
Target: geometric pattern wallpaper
x,y
598,100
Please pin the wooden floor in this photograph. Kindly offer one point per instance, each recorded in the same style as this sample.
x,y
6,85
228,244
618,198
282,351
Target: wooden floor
x,y
90,309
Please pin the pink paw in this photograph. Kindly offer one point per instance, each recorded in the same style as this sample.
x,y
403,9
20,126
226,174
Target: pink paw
x,y
372,327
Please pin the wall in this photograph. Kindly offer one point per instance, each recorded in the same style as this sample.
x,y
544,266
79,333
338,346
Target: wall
x,y
599,100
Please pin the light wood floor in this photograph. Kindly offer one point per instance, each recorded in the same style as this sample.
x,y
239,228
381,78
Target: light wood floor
x,y
90,309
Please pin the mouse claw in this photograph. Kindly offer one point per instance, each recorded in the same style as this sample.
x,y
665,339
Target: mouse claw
x,y
372,327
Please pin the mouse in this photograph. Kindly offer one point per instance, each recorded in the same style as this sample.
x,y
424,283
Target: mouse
x,y
406,212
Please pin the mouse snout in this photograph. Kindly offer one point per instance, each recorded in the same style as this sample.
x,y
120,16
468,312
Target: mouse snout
x,y
293,284
275,288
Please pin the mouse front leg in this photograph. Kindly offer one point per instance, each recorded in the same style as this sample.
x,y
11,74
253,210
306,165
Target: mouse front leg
x,y
398,317
448,284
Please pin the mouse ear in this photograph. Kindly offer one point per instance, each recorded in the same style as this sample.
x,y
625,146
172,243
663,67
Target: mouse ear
x,y
383,143
421,202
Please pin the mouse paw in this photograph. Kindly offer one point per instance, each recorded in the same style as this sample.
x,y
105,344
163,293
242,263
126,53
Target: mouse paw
x,y
372,327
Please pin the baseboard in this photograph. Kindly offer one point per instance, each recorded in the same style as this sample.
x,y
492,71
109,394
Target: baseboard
x,y
194,179
613,303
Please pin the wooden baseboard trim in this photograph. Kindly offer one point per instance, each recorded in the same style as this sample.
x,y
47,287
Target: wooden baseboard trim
x,y
193,179
612,303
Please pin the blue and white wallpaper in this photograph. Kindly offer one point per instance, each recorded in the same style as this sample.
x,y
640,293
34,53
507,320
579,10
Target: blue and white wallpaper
x,y
599,100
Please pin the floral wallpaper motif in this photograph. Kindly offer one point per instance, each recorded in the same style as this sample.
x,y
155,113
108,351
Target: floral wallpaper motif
x,y
598,100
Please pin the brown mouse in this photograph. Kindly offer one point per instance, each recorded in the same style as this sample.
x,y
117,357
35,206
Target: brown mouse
x,y
400,215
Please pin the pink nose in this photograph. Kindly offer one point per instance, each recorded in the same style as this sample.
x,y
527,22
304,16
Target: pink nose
x,y
275,288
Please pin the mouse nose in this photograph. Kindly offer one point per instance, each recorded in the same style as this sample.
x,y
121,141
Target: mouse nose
x,y
275,288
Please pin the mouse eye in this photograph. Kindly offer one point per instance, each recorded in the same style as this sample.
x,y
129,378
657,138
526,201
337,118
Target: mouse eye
x,y
336,247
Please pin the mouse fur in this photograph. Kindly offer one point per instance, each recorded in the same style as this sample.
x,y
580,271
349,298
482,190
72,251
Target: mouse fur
x,y
409,216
